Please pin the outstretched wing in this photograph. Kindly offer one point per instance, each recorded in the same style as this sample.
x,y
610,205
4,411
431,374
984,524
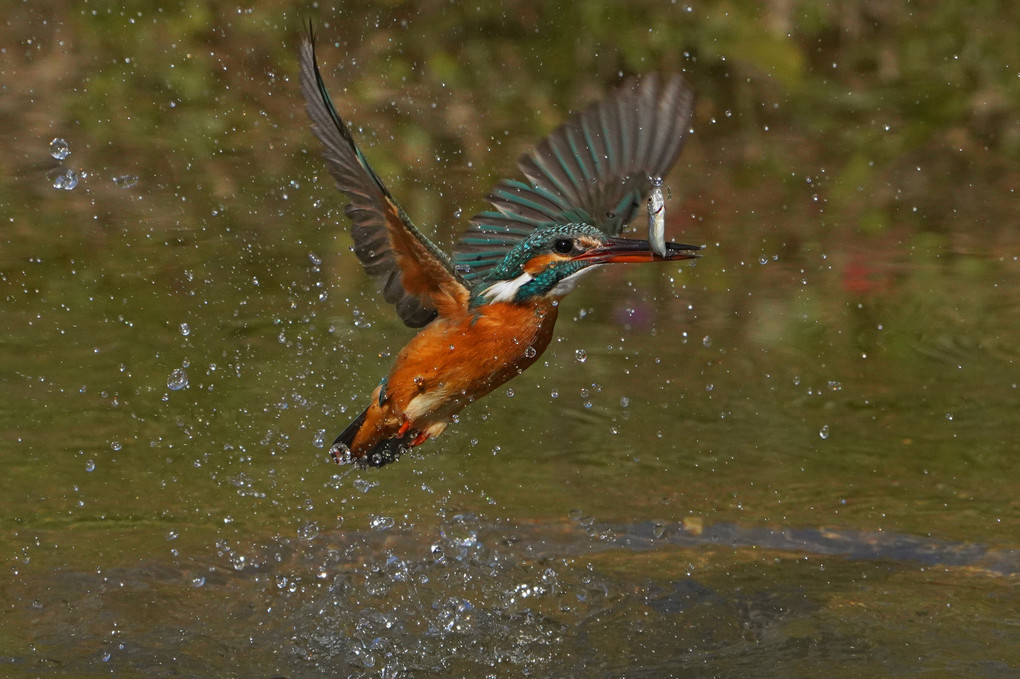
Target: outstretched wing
x,y
594,169
415,276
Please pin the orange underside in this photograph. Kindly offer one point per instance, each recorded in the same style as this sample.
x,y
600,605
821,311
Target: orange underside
x,y
450,363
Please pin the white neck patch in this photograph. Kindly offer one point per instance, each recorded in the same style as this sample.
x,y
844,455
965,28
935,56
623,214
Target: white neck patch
x,y
506,291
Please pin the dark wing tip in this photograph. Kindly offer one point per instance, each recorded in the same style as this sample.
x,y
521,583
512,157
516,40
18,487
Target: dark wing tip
x,y
378,221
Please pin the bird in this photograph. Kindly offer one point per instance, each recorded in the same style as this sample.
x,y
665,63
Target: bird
x,y
487,313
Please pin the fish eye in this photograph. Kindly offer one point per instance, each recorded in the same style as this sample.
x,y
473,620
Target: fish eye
x,y
563,245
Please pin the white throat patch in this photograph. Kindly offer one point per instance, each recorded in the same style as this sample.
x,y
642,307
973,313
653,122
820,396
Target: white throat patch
x,y
506,291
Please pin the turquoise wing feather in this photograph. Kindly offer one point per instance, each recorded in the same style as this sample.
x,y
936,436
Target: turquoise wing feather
x,y
594,169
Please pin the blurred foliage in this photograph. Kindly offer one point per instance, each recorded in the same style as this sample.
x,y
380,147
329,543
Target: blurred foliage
x,y
852,96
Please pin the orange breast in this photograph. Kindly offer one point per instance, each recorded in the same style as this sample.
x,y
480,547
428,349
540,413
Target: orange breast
x,y
454,361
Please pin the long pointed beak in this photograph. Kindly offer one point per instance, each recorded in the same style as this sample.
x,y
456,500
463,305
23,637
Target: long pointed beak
x,y
633,250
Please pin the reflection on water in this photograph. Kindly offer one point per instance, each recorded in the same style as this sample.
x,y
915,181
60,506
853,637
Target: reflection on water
x,y
793,458
536,598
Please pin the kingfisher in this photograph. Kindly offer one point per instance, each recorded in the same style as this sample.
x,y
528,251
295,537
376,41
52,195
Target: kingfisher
x,y
487,314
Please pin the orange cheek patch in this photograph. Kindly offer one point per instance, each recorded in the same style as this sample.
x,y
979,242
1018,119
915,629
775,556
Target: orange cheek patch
x,y
537,265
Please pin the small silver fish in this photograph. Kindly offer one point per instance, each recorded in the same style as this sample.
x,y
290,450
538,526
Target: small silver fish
x,y
657,217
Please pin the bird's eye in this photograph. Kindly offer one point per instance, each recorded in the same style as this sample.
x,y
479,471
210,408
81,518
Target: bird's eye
x,y
563,245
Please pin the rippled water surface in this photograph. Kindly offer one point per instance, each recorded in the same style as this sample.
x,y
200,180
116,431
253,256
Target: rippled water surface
x,y
796,458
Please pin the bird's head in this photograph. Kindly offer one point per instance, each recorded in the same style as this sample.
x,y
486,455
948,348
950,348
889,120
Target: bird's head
x,y
551,260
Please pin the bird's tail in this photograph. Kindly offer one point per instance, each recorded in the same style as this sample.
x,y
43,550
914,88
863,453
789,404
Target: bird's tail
x,y
383,452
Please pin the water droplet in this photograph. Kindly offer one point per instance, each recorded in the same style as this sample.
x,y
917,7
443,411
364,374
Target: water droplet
x,y
530,352
177,380
364,486
581,355
308,531
63,178
314,259
59,149
126,181
509,392
341,454
382,522
706,341
624,402
90,465
185,329
824,431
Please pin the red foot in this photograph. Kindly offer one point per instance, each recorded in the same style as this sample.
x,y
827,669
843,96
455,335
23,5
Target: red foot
x,y
419,437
